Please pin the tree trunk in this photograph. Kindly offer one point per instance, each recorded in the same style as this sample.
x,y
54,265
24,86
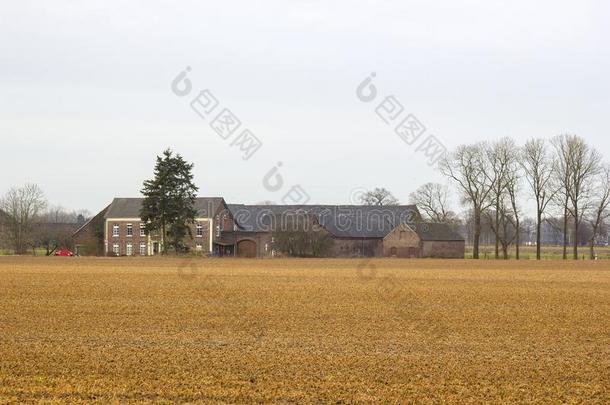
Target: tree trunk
x,y
497,251
518,238
565,233
477,233
163,238
18,247
538,234
594,229
576,231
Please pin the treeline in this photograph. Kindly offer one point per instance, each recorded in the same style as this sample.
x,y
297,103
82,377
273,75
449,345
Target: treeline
x,y
565,177
28,222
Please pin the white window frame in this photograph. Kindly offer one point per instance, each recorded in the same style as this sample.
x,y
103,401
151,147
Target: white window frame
x,y
129,249
142,229
199,230
116,249
198,246
129,230
143,249
115,230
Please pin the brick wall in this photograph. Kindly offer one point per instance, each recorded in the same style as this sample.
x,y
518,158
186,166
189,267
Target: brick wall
x,y
356,247
197,244
444,249
401,242
89,239
122,239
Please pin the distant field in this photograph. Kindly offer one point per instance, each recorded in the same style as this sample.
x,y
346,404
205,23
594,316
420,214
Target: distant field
x,y
487,252
547,252
36,252
292,331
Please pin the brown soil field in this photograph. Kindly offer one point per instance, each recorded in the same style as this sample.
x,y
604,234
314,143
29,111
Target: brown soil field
x,y
117,330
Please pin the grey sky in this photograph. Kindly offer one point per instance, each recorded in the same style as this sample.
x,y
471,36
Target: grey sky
x,y
86,101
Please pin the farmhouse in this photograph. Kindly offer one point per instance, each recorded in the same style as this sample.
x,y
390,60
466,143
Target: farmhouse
x,y
118,230
223,229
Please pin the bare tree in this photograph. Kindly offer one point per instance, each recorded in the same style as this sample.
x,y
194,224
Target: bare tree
x,y
379,196
300,236
601,211
55,227
4,219
582,164
563,182
576,164
433,200
502,225
57,214
504,218
501,155
22,206
538,166
512,190
468,166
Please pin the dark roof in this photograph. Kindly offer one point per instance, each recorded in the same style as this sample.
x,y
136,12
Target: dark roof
x,y
130,207
435,231
342,221
101,214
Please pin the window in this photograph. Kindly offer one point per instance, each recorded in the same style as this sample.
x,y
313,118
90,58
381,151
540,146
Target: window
x,y
115,230
129,229
115,249
199,230
198,246
142,229
142,248
129,250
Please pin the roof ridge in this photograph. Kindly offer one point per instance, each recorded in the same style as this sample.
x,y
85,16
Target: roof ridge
x,y
141,198
324,205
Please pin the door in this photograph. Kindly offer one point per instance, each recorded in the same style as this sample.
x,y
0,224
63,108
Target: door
x,y
246,248
412,252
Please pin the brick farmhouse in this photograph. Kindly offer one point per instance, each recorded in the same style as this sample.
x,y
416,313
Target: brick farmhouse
x,y
222,229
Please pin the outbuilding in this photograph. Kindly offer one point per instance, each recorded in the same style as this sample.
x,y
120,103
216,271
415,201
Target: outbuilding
x,y
424,239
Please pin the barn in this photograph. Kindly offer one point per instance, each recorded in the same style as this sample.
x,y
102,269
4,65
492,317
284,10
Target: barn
x,y
424,240
356,230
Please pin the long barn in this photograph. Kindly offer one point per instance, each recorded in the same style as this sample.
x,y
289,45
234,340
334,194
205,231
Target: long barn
x,y
223,229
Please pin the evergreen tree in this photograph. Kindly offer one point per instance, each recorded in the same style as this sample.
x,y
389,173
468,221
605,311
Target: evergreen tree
x,y
169,200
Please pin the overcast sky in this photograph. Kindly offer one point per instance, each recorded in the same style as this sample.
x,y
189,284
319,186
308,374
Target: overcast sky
x,y
86,101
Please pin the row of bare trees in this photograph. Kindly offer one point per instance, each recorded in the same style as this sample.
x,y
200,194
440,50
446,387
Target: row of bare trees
x,y
565,175
27,221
